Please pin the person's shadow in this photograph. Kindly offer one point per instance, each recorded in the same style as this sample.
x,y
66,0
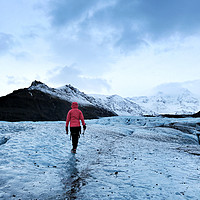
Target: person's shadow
x,y
73,180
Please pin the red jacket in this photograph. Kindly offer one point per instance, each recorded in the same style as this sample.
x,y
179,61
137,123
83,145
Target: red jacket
x,y
74,116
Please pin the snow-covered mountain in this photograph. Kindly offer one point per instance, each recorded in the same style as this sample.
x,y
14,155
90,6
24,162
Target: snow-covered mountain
x,y
114,103
177,101
121,106
66,92
166,99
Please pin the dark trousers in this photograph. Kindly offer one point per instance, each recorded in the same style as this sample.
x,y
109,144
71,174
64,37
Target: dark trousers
x,y
75,134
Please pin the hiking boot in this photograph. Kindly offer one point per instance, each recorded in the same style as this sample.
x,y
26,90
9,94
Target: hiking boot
x,y
73,150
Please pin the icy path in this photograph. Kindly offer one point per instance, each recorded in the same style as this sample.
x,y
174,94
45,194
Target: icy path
x,y
111,163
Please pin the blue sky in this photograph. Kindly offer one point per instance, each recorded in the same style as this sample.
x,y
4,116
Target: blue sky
x,y
124,47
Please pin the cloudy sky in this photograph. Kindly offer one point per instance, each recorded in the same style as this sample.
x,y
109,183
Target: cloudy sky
x,y
123,47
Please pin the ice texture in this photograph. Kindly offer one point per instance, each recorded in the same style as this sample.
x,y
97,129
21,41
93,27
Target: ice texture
x,y
117,158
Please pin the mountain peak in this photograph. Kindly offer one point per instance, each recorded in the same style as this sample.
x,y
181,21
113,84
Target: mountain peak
x,y
67,92
36,83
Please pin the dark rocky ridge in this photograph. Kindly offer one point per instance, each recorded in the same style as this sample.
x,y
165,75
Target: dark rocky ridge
x,y
34,105
181,116
196,114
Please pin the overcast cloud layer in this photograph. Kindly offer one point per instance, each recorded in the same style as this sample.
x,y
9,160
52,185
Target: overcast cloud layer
x,y
102,46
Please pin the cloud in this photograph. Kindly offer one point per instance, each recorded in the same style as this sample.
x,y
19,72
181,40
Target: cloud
x,y
168,89
175,88
193,86
12,80
132,23
66,12
22,56
71,75
164,18
6,42
75,39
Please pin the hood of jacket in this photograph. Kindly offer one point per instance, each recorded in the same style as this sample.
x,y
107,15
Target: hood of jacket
x,y
74,105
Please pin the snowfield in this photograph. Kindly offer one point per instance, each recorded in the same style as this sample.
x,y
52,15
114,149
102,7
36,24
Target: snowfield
x,y
117,158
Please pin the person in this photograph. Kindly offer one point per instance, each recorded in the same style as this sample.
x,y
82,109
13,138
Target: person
x,y
74,116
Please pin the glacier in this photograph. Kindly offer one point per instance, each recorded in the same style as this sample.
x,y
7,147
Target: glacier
x,y
129,157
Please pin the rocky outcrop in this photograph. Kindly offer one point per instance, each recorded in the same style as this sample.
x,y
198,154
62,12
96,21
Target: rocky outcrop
x,y
196,114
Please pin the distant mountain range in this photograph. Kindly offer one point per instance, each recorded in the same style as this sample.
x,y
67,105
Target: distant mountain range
x,y
42,103
178,102
183,102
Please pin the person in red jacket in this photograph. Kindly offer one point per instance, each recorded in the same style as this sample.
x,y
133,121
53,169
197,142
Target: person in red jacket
x,y
74,116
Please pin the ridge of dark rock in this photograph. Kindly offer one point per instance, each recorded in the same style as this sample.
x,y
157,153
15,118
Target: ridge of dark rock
x,y
35,105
